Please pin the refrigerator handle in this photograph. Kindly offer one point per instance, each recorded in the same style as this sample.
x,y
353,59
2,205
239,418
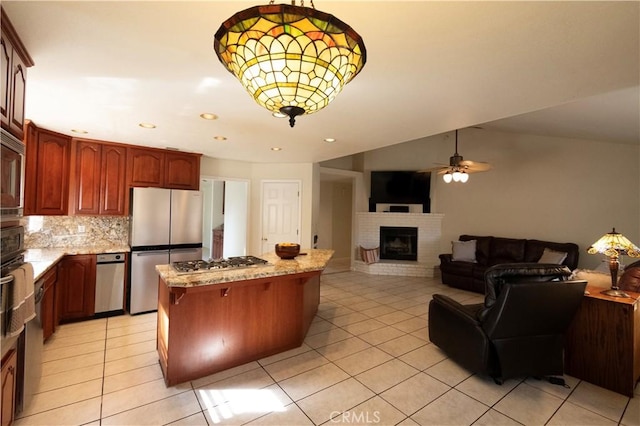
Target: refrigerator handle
x,y
186,250
149,253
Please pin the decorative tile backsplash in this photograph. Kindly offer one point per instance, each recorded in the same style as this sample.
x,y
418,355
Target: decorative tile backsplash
x,y
76,231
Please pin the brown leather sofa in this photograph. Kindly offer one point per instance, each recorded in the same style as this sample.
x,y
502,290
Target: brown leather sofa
x,y
469,275
518,330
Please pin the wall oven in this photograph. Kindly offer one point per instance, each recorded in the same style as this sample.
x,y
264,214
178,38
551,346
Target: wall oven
x,y
11,178
28,343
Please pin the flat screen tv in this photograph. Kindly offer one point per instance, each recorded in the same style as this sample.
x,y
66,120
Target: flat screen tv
x,y
400,187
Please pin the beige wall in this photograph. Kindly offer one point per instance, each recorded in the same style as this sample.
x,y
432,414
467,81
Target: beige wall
x,y
256,173
540,187
555,189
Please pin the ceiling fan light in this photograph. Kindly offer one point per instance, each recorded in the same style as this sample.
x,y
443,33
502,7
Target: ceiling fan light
x,y
447,177
457,176
464,176
290,58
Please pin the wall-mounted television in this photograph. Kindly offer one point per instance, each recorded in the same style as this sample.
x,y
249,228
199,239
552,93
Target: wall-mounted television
x,y
400,187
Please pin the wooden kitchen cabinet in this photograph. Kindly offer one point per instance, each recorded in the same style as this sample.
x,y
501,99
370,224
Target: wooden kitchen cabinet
x,y
76,287
9,367
204,329
182,171
148,167
48,309
99,186
14,60
145,167
47,172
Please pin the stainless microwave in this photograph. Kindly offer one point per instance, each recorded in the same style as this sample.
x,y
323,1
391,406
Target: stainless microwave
x,y
11,178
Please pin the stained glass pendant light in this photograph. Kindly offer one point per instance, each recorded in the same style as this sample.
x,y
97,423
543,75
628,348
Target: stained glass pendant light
x,y
291,59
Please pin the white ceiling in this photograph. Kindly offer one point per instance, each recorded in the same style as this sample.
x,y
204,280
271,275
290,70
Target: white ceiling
x,y
567,69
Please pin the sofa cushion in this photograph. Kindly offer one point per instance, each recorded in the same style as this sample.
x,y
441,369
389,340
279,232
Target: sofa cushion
x,y
535,248
483,246
506,250
463,251
552,256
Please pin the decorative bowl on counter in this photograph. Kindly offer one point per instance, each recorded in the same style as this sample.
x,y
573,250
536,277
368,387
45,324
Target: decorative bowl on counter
x,y
287,250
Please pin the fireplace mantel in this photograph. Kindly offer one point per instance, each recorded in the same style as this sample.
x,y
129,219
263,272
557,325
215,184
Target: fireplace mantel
x,y
429,233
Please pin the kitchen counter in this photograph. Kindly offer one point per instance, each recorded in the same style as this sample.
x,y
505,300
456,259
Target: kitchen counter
x,y
314,260
44,259
212,321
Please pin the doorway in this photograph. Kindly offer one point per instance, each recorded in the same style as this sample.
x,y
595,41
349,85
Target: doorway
x,y
225,204
335,220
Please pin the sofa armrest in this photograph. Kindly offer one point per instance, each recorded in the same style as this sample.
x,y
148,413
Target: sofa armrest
x,y
454,329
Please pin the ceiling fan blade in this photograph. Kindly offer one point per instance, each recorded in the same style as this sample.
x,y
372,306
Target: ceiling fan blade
x,y
475,166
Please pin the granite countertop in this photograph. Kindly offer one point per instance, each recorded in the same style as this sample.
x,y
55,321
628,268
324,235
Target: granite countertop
x,y
314,260
44,259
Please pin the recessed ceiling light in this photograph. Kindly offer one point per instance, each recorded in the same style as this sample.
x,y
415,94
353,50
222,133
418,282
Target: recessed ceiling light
x,y
220,138
330,140
147,125
208,116
275,148
80,131
278,114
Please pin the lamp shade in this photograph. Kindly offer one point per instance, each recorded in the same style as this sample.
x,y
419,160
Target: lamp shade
x,y
291,59
614,244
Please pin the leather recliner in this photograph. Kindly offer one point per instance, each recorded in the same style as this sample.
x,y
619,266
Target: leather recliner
x,y
518,330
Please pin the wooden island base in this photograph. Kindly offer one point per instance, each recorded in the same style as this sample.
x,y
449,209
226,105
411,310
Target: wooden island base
x,y
205,329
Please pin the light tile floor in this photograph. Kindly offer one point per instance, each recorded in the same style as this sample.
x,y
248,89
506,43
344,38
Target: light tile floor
x,y
367,359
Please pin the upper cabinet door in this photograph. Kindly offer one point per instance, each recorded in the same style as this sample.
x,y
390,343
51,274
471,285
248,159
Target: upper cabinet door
x,y
99,179
5,69
87,178
19,83
47,173
182,171
163,169
112,182
146,167
14,61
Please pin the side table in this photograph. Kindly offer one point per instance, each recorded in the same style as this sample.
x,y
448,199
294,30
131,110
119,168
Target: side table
x,y
602,344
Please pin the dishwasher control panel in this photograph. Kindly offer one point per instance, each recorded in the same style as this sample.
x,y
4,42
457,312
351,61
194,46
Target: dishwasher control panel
x,y
110,257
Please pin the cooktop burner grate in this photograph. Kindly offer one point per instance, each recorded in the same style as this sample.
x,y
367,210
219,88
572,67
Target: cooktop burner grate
x,y
237,262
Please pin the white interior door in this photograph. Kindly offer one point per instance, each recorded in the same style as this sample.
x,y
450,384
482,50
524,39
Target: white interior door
x,y
280,213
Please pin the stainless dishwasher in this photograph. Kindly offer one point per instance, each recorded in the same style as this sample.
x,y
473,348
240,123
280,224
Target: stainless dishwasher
x,y
110,273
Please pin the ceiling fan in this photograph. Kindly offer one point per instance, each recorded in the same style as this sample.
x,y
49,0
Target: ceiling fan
x,y
458,169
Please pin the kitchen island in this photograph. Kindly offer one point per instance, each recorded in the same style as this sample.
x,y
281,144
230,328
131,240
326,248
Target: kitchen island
x,y
211,321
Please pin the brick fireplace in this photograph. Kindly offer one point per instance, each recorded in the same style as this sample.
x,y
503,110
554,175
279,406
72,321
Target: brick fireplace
x,y
427,240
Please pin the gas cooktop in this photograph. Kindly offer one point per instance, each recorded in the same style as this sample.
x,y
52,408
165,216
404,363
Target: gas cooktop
x,y
237,262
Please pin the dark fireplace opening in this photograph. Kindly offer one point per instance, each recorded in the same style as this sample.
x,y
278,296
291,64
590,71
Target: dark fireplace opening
x,y
398,243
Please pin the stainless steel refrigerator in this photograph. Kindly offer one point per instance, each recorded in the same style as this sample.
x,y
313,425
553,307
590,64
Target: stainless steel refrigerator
x,y
166,226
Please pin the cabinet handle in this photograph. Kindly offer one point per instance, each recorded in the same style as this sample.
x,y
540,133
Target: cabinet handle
x,y
224,292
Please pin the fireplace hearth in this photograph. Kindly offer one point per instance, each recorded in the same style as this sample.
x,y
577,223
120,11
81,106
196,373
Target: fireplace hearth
x,y
398,243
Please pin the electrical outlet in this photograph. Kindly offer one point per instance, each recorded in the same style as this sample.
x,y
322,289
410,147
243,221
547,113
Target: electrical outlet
x,y
82,229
